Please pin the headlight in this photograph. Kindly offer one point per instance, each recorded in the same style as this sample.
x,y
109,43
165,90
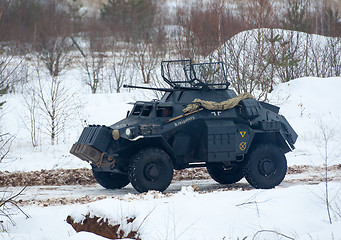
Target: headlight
x,y
115,134
129,133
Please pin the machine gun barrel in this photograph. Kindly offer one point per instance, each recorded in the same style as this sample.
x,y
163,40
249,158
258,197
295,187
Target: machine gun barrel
x,y
149,88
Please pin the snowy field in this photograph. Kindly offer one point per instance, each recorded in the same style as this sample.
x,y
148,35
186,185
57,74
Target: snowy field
x,y
298,212
290,211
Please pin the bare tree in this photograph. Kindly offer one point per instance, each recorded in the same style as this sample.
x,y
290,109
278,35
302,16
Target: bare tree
x,y
158,82
93,58
146,57
318,64
53,43
291,51
334,56
325,137
249,58
3,83
325,18
204,26
297,16
31,103
93,65
260,14
324,57
57,104
118,72
9,69
54,54
7,205
6,140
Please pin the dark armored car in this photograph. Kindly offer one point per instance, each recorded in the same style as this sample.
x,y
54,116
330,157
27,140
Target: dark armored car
x,y
198,122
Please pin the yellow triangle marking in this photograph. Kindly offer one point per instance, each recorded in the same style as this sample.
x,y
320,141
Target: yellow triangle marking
x,y
242,133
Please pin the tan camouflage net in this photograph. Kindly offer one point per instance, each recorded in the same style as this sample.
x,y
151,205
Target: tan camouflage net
x,y
210,105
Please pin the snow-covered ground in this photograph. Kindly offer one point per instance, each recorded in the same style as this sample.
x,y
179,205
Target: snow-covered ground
x,y
290,211
299,212
311,105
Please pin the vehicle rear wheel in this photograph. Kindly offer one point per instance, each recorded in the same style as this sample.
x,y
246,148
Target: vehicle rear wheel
x,y
225,174
111,180
265,166
150,169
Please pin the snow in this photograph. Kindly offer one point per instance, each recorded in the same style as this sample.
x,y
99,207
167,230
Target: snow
x,y
297,211
311,105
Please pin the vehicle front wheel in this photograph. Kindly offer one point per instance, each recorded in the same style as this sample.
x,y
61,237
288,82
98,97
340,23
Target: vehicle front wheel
x,y
111,180
150,169
265,166
225,174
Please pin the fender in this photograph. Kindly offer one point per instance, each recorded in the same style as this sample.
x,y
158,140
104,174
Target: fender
x,y
275,137
155,141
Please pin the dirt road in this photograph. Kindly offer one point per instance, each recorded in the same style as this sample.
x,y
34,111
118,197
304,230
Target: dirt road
x,y
60,187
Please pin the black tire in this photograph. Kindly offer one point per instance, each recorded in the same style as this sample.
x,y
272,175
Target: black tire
x,y
150,169
111,180
265,166
225,175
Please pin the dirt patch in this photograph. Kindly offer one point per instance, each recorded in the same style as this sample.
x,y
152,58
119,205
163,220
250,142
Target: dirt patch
x,y
56,177
60,201
83,176
335,167
100,226
191,174
296,169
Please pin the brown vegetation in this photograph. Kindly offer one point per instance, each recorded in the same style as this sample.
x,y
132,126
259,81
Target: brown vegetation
x,y
204,25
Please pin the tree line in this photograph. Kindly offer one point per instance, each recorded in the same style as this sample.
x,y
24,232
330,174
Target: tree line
x,y
204,24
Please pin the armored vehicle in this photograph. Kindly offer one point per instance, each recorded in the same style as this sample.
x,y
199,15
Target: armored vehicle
x,y
198,122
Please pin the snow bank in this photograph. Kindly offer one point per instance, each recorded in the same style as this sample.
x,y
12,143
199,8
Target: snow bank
x,y
311,105
295,211
298,212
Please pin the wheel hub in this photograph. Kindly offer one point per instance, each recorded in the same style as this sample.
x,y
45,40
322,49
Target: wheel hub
x,y
266,167
151,171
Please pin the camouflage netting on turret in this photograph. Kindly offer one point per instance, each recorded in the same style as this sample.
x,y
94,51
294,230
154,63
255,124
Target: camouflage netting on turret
x,y
210,105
